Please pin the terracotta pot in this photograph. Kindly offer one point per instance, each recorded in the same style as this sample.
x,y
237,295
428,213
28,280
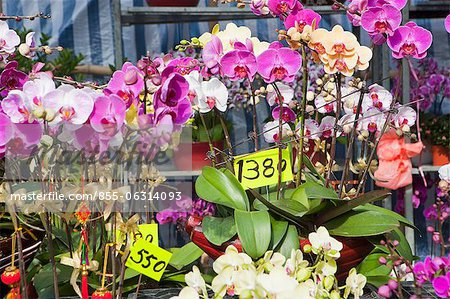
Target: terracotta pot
x,y
172,3
198,158
354,251
440,155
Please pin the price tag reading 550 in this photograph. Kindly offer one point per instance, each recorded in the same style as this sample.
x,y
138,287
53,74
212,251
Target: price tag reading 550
x,y
261,168
148,259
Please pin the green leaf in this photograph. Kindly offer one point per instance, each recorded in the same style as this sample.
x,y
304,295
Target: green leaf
x,y
316,190
370,266
400,218
360,224
279,229
348,205
185,255
378,281
311,167
218,230
221,188
403,248
290,242
254,231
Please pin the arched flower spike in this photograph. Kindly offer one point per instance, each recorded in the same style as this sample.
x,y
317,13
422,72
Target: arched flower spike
x,y
279,63
340,51
410,40
381,21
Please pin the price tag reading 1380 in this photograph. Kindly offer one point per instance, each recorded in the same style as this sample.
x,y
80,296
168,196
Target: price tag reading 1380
x,y
261,168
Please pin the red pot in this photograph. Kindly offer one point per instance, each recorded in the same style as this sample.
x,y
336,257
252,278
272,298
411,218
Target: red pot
x,y
172,3
198,158
441,155
353,252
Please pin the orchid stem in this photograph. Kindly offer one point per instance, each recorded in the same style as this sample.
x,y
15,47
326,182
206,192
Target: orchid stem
x,y
255,124
302,117
225,131
280,138
211,147
333,140
350,144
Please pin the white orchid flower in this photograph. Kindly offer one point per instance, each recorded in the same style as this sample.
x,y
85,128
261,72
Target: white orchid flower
x,y
295,262
215,94
405,116
378,98
286,91
271,131
187,293
322,242
224,282
231,259
307,289
354,284
277,284
194,279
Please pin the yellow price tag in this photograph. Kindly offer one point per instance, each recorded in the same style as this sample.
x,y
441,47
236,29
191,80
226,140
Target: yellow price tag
x,y
149,232
261,168
148,259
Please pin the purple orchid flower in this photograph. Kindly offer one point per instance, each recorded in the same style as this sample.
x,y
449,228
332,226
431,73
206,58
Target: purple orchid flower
x,y
182,66
174,89
381,21
326,127
302,18
355,9
126,83
259,7
108,114
282,7
11,78
288,114
239,64
279,63
424,271
410,40
435,82
6,132
211,54
441,286
399,4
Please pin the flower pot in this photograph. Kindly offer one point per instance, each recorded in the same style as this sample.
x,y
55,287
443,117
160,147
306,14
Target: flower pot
x,y
353,252
198,158
172,3
440,155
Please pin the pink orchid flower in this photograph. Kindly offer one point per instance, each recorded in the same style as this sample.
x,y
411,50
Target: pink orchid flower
x,y
302,18
283,7
211,54
399,4
350,99
279,63
405,116
326,127
239,64
441,285
372,120
71,105
108,114
6,131
182,66
410,40
325,106
126,83
287,116
381,21
354,10
311,129
9,39
346,124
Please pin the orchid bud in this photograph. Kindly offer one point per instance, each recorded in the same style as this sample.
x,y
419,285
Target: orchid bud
x,y
406,128
335,7
46,141
310,96
335,295
131,77
443,185
382,260
347,129
309,109
307,248
39,112
395,243
399,132
392,284
303,274
328,282
319,81
436,238
360,137
430,229
24,49
384,291
365,133
296,36
49,115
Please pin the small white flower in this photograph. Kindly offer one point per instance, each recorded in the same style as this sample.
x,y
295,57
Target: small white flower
x,y
231,259
321,241
195,280
295,262
215,95
277,284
